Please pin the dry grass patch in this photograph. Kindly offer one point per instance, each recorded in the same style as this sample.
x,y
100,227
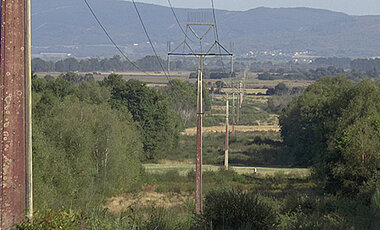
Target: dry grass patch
x,y
118,204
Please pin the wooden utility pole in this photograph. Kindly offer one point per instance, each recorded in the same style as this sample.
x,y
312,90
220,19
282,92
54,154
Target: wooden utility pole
x,y
227,133
201,53
28,100
233,109
241,94
15,82
198,186
237,107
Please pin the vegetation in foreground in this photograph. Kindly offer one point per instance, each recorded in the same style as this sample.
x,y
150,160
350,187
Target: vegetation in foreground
x,y
98,133
232,201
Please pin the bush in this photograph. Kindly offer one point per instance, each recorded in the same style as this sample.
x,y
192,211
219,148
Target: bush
x,y
376,199
83,153
51,220
231,209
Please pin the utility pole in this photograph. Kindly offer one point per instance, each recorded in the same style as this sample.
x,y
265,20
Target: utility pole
x,y
233,88
227,133
198,19
169,48
198,167
232,45
244,81
15,104
237,107
28,99
233,110
241,93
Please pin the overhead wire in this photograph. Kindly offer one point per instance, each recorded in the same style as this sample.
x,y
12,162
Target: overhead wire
x,y
217,34
110,38
150,40
176,18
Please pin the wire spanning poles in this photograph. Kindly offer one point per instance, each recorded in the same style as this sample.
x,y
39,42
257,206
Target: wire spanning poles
x,y
203,36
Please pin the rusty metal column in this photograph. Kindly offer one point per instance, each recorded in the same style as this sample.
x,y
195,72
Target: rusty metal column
x,y
13,113
198,179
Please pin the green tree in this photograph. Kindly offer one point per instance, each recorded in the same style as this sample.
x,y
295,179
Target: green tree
x,y
83,152
38,84
350,162
309,118
183,99
334,126
150,109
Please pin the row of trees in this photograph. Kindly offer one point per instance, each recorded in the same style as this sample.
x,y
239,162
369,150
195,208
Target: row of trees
x,y
115,64
148,63
89,138
356,65
335,127
315,74
366,64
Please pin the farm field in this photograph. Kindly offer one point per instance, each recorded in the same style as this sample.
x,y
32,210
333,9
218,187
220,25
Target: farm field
x,y
247,91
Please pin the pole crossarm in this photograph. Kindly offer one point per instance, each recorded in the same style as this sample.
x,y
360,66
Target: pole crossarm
x,y
199,54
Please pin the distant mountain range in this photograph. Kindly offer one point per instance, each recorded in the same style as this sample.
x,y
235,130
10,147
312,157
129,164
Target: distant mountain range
x,y
67,26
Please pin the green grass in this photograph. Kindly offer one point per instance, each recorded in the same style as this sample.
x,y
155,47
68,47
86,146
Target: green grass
x,y
184,169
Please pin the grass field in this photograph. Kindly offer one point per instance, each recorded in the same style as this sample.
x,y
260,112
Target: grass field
x,y
184,169
238,128
247,91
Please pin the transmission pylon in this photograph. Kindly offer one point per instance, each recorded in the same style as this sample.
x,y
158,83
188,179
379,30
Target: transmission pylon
x,y
200,41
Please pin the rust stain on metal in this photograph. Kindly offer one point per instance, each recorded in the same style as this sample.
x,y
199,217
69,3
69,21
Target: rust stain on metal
x,y
12,113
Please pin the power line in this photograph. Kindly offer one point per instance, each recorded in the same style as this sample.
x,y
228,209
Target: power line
x,y
110,38
150,40
217,34
176,18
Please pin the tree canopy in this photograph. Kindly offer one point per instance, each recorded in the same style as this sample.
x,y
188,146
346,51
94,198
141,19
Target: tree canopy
x,y
334,126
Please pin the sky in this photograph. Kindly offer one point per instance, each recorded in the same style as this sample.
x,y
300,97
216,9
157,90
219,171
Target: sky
x,y
352,7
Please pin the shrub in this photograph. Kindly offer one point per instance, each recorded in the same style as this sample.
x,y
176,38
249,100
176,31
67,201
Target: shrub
x,y
376,199
231,209
51,220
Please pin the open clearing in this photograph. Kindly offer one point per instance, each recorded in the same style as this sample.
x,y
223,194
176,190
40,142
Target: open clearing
x,y
185,168
238,128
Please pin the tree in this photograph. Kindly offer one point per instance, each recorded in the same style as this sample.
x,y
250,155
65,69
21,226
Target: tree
x,y
183,99
150,109
219,86
38,84
334,126
309,118
82,153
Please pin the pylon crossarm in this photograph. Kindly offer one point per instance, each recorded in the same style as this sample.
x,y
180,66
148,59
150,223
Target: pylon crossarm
x,y
182,43
220,45
189,47
204,35
209,50
198,54
195,34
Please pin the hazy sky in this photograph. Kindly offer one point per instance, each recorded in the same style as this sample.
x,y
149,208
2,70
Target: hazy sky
x,y
353,7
